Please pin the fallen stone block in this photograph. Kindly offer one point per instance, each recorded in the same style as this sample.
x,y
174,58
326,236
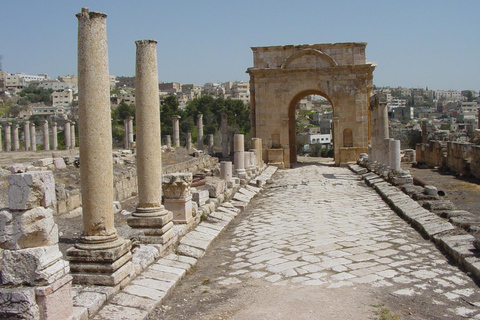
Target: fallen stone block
x,y
18,303
215,187
190,251
30,190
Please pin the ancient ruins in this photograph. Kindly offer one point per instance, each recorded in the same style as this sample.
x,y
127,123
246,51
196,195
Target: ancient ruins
x,y
182,207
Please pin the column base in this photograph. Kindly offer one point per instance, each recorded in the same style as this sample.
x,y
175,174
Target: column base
x,y
106,267
156,239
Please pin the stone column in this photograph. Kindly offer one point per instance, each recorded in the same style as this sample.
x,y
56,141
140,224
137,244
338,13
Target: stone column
x,y
168,141
224,127
188,143
33,137
176,131
54,135
239,156
46,138
100,256
130,132
210,143
26,135
394,154
125,130
150,217
257,145
226,170
200,132
247,163
72,135
66,134
16,142
8,136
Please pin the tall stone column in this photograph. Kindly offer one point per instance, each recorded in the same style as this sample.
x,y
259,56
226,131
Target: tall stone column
x,y
16,142
26,135
66,134
125,130
200,132
176,131
101,256
54,135
224,128
33,137
188,144
8,136
130,132
239,156
150,217
72,135
210,143
46,138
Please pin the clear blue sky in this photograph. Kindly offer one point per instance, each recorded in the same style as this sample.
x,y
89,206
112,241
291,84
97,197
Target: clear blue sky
x,y
415,43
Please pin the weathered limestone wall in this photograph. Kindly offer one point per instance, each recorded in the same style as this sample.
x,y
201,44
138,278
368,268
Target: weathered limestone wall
x,y
458,157
475,161
432,153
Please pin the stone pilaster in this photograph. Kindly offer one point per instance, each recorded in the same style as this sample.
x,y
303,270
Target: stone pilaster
x,y
26,135
224,128
200,132
46,138
54,136
101,256
150,218
7,127
176,130
16,142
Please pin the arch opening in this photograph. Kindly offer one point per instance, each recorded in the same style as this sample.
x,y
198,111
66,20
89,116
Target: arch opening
x,y
310,125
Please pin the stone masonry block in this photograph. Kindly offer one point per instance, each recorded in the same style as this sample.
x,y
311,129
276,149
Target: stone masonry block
x,y
31,189
216,187
18,303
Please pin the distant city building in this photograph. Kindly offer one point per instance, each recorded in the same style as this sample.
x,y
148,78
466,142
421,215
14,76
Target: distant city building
x,y
125,82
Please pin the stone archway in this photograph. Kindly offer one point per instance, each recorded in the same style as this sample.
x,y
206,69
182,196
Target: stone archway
x,y
281,75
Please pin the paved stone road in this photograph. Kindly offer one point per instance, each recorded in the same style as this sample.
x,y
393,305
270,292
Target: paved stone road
x,y
319,227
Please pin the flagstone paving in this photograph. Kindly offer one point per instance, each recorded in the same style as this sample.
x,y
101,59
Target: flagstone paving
x,y
322,228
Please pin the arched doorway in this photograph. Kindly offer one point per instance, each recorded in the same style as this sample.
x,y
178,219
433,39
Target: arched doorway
x,y
295,106
282,75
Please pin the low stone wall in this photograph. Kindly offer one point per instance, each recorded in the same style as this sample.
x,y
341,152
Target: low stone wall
x,y
458,157
432,153
125,183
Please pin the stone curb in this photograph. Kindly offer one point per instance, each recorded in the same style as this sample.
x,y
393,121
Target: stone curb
x,y
148,290
456,243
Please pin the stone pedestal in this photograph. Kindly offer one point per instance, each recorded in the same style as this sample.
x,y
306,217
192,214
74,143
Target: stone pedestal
x,y
46,138
26,135
224,128
178,197
100,256
176,130
150,218
16,142
200,132
33,137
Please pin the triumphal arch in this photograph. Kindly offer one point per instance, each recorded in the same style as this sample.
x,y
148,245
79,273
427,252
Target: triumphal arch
x,y
282,75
